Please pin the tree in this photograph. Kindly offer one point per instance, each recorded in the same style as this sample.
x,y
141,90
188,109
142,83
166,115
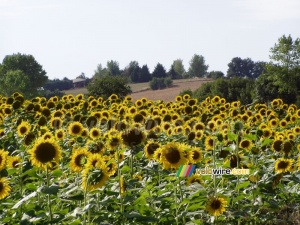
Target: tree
x,y
171,73
109,85
145,75
281,78
14,81
159,71
215,74
29,67
100,72
113,68
178,68
197,66
132,71
244,68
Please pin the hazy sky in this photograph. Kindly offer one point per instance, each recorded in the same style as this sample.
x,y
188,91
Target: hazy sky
x,y
68,37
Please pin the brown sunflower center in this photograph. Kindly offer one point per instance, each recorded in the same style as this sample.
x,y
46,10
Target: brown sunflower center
x,y
277,145
196,155
1,187
23,130
173,155
151,148
283,165
216,204
76,129
245,144
80,160
45,152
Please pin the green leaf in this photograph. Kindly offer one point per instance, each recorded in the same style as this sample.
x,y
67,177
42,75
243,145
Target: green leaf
x,y
232,136
31,187
267,141
78,197
243,184
76,222
57,173
52,190
250,137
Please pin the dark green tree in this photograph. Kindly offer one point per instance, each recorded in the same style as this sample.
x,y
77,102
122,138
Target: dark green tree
x,y
26,66
132,71
172,73
197,68
215,75
244,68
159,71
145,75
109,85
281,78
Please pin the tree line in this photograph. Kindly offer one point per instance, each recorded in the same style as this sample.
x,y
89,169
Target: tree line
x,y
245,79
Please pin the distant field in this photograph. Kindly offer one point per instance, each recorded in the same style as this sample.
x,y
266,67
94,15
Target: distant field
x,y
141,90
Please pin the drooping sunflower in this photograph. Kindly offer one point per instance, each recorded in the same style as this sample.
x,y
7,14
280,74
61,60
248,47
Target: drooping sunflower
x,y
114,141
4,188
44,152
277,145
3,158
283,165
78,159
94,177
150,149
172,155
195,178
133,137
56,122
75,128
29,138
216,206
23,128
14,161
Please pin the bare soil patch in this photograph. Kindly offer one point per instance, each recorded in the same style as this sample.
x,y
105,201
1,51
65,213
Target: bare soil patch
x,y
169,94
141,90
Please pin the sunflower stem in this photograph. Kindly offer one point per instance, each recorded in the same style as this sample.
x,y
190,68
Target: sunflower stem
x,y
120,194
238,166
214,163
48,196
176,206
181,198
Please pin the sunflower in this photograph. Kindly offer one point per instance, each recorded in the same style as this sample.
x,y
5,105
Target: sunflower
x,y
195,178
133,137
114,140
95,133
95,147
209,143
56,122
60,134
44,152
283,123
78,159
216,206
287,146
246,144
94,177
283,165
122,186
23,128
13,161
4,188
172,155
85,132
75,128
194,155
47,135
29,138
277,145
150,149
3,158
111,166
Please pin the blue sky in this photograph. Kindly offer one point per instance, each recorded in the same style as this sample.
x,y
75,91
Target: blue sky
x,y
68,37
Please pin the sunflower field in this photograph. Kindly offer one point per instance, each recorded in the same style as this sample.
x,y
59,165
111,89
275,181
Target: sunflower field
x,y
86,160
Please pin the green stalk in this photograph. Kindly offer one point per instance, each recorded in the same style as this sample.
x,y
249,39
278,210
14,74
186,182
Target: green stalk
x,y
181,198
48,196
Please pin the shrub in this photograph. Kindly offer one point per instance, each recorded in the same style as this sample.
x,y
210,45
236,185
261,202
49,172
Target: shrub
x,y
109,85
160,83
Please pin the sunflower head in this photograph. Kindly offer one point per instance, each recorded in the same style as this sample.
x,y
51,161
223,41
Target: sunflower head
x,y
75,128
23,128
150,149
216,206
283,165
44,152
79,159
133,137
4,188
195,178
172,155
